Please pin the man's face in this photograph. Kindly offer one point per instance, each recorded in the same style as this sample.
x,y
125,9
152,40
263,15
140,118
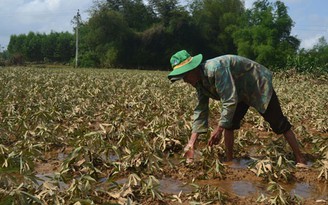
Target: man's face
x,y
192,77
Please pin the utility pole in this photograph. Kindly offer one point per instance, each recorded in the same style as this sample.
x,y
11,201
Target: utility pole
x,y
77,38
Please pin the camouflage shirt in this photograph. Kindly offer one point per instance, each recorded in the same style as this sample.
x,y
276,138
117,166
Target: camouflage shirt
x,y
231,79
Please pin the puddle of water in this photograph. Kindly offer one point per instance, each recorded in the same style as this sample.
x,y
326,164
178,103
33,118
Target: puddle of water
x,y
62,156
246,188
50,177
253,150
239,163
308,190
173,186
111,157
166,185
241,188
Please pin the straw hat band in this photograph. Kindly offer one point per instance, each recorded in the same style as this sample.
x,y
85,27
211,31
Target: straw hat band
x,y
183,63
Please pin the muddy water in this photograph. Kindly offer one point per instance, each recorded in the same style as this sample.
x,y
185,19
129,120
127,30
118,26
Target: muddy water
x,y
246,188
308,190
241,188
173,186
249,188
42,178
166,185
239,163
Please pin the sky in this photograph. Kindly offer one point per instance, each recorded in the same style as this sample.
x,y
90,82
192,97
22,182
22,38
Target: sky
x,y
43,16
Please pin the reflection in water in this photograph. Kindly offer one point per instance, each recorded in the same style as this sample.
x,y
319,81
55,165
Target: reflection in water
x,y
244,188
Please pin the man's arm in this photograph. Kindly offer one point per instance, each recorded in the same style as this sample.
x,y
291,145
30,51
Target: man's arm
x,y
215,136
200,124
226,89
201,112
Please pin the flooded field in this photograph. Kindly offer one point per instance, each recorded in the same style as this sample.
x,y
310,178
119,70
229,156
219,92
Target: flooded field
x,y
117,136
239,183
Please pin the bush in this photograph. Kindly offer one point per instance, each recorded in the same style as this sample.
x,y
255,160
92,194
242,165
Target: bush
x,y
17,59
306,62
89,60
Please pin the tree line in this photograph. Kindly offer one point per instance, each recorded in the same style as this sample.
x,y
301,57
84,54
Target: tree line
x,y
134,34
36,47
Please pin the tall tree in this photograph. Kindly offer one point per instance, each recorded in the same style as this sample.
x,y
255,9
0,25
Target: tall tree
x,y
217,19
164,9
138,16
107,35
265,34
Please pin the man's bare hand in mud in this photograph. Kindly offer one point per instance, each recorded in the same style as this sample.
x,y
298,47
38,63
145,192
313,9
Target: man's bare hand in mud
x,y
189,150
215,136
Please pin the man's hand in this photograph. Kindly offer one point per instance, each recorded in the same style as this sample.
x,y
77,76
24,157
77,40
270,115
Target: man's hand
x,y
215,136
189,149
189,153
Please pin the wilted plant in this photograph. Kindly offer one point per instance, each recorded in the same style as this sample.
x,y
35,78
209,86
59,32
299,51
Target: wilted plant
x,y
19,195
321,150
50,192
206,195
324,171
16,168
150,187
269,169
143,158
279,196
217,169
81,188
79,162
324,166
210,164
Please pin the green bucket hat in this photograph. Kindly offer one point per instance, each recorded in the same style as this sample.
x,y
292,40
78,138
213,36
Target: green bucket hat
x,y
182,63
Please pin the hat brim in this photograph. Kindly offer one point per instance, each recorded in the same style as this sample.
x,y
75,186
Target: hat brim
x,y
178,73
176,77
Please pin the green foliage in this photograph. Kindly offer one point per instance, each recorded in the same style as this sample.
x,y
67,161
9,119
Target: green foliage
x,y
312,60
36,47
265,34
135,34
89,60
217,20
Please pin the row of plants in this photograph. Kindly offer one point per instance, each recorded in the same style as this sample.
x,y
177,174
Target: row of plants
x,y
132,125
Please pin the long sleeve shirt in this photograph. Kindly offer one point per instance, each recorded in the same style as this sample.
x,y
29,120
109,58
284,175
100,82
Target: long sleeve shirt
x,y
231,79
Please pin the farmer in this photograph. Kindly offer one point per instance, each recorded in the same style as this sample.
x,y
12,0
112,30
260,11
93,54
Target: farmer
x,y
239,83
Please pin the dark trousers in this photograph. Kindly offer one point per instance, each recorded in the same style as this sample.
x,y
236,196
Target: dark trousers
x,y
273,114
